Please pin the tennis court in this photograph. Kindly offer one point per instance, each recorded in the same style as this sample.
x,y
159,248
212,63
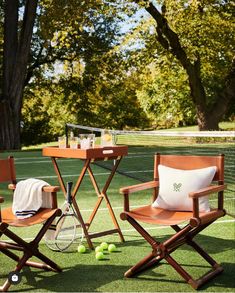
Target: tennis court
x,y
83,273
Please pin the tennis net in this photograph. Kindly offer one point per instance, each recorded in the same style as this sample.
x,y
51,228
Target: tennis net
x,y
142,145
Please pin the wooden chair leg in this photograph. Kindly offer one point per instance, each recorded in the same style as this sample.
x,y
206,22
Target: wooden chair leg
x,y
10,254
139,266
189,279
5,286
202,252
18,268
147,264
48,263
163,251
216,268
30,249
141,231
21,262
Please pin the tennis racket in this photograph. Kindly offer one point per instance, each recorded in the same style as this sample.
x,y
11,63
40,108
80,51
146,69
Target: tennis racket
x,y
68,228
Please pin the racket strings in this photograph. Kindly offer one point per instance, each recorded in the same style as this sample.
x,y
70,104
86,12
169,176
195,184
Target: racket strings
x,y
66,231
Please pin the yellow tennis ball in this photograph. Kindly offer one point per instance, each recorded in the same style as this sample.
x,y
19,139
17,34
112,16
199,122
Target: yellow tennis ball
x,y
98,249
112,248
104,245
99,255
81,248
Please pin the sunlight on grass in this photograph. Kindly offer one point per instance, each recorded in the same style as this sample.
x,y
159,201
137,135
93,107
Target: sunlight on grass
x,y
82,272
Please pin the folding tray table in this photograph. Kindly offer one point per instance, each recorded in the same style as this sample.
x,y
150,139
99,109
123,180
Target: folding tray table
x,y
88,156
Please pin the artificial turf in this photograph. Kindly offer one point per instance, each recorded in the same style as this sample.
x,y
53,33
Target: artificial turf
x,y
83,273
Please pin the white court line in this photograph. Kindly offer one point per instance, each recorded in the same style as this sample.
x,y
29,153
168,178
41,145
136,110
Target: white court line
x,y
118,208
75,175
46,160
166,227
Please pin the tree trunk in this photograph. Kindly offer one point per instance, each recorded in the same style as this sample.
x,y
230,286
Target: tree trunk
x,y
206,121
9,122
15,58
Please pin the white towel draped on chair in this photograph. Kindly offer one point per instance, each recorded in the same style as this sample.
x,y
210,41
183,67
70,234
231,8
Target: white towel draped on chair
x,y
29,198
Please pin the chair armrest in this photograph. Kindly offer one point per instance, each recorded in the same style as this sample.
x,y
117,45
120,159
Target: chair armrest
x,y
53,191
12,186
214,214
134,188
45,188
1,201
139,187
51,188
206,191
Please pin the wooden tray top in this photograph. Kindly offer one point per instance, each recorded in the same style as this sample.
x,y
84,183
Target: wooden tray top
x,y
93,153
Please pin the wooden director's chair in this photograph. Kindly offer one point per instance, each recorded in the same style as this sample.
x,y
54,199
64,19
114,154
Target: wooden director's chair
x,y
8,219
194,220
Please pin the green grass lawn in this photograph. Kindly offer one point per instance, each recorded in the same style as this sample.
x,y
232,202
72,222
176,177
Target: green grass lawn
x,y
82,272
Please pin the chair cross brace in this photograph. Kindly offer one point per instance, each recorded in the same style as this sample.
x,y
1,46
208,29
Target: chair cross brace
x,y
163,250
29,249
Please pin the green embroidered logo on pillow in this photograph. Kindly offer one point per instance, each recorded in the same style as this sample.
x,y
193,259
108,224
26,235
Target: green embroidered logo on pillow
x,y
177,187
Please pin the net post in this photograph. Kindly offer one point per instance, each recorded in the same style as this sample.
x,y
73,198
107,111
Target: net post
x,y
66,135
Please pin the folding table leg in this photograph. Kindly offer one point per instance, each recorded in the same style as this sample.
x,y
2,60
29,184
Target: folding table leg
x,y
85,230
57,171
97,205
76,187
103,195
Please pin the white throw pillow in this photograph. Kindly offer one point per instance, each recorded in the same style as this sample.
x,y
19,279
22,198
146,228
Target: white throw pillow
x,y
175,185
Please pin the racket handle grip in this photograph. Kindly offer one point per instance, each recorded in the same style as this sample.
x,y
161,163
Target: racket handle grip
x,y
69,192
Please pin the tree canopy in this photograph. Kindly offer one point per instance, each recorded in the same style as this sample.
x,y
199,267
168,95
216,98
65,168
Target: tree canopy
x,y
113,64
197,36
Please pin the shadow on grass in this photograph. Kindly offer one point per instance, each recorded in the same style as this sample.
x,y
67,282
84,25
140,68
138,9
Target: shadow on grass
x,y
212,245
89,278
80,278
225,280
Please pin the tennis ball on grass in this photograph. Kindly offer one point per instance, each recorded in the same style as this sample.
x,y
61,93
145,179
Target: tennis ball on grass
x,y
112,248
104,245
81,248
98,249
99,255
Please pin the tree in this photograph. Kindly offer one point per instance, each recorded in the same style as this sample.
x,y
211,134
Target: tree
x,y
164,94
16,48
83,34
198,35
22,63
1,46
91,88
